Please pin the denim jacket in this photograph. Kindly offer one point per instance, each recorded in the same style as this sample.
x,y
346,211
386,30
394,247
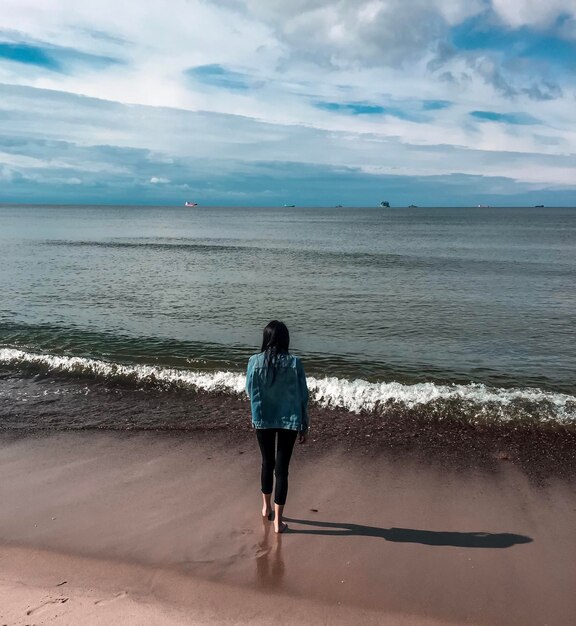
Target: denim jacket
x,y
282,403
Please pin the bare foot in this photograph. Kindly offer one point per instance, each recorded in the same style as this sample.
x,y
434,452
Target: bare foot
x,y
267,514
280,529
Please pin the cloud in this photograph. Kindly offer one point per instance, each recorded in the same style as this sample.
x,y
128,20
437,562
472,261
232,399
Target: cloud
x,y
277,182
517,13
348,33
490,71
544,91
223,158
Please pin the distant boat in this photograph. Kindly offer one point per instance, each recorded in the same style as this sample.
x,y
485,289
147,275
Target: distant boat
x,y
289,206
413,206
190,203
538,206
385,204
338,206
483,206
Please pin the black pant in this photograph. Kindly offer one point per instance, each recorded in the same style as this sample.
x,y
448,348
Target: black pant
x,y
275,462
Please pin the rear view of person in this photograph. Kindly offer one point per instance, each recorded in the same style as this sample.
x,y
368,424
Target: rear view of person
x,y
276,384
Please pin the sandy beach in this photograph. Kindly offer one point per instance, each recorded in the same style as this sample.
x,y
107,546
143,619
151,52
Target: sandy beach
x,y
100,528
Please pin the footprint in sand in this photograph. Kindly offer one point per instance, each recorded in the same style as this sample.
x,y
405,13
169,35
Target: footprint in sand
x,y
45,606
117,597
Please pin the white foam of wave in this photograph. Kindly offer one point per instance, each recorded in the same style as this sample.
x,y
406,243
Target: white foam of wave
x,y
207,381
361,395
352,395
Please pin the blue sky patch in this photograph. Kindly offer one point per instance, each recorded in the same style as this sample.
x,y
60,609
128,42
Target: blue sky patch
x,y
218,76
410,110
435,105
351,108
53,58
506,118
29,55
523,43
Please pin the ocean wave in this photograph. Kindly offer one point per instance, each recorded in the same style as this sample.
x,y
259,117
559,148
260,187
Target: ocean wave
x,y
143,374
363,259
474,401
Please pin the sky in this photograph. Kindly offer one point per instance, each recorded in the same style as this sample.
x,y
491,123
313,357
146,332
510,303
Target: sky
x,y
306,102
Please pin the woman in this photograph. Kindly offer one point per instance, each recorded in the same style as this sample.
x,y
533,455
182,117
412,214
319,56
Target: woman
x,y
276,384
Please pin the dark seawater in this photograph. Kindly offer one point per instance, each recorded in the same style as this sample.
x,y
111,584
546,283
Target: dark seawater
x,y
389,308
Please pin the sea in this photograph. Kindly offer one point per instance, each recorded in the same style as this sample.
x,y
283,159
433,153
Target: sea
x,y
119,316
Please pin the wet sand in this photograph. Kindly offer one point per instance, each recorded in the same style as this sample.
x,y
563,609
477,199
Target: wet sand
x,y
98,528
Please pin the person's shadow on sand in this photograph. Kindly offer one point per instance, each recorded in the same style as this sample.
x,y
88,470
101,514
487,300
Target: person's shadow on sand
x,y
410,535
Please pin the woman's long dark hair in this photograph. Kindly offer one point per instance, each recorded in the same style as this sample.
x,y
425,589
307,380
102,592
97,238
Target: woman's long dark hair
x,y
275,342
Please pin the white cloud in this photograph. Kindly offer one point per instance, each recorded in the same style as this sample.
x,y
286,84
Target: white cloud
x,y
348,33
28,161
538,13
6,174
196,141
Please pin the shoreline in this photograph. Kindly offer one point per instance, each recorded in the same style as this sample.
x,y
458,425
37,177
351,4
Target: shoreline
x,y
442,439
386,539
